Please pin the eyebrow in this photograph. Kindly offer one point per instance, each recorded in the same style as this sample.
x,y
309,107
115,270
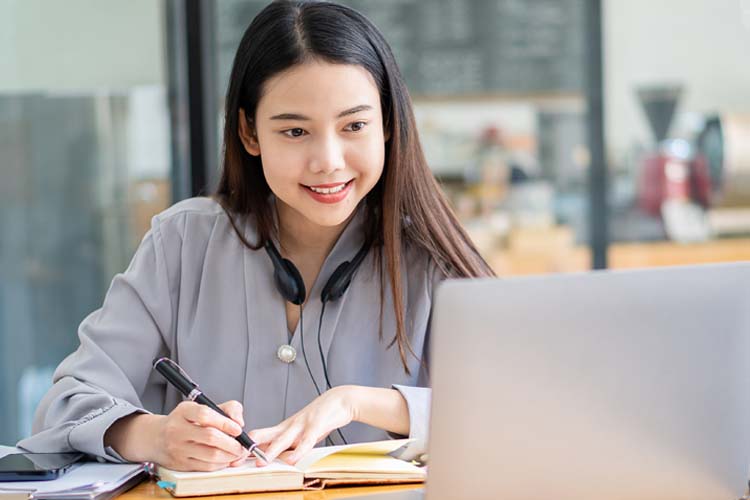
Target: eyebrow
x,y
296,116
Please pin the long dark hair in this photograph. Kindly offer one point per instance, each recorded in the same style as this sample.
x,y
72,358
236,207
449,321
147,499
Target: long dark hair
x,y
406,207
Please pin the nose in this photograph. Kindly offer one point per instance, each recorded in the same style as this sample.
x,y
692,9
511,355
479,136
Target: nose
x,y
327,155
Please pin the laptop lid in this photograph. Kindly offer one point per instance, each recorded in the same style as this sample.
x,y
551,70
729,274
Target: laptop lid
x,y
617,384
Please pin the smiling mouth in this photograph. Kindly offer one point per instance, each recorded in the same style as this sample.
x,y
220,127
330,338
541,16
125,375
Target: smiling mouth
x,y
329,188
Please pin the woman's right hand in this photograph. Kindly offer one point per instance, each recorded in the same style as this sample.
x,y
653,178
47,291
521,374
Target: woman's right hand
x,y
192,437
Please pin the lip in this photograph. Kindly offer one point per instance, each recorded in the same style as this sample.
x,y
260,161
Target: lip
x,y
324,186
329,198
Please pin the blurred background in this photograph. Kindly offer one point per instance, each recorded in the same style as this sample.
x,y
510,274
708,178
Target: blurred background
x,y
569,134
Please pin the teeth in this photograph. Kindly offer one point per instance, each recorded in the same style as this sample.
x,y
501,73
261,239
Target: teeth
x,y
328,190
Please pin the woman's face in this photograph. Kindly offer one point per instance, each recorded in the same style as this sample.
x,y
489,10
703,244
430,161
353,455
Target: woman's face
x,y
319,134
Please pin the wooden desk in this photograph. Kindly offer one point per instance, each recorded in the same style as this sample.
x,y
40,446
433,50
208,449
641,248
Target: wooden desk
x,y
149,491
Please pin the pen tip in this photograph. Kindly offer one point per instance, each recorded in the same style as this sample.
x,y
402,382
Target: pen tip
x,y
260,454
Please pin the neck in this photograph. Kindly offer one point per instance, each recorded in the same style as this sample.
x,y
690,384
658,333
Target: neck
x,y
298,236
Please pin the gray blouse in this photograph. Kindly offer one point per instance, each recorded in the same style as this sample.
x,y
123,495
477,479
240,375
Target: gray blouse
x,y
194,293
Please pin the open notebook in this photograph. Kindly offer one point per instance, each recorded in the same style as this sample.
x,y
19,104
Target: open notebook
x,y
359,463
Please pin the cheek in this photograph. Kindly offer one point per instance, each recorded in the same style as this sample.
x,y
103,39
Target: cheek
x,y
280,166
368,160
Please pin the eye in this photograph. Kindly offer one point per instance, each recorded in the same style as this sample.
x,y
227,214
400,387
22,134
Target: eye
x,y
294,132
356,126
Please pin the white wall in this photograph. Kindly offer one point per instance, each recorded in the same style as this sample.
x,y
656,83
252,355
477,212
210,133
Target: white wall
x,y
703,44
79,45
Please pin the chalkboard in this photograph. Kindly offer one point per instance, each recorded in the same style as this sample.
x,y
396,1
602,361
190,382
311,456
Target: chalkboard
x,y
460,47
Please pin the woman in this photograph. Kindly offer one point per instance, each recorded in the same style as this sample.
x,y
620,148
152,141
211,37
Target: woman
x,y
322,166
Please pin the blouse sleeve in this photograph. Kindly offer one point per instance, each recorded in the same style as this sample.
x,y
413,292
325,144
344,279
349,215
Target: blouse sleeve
x,y
419,397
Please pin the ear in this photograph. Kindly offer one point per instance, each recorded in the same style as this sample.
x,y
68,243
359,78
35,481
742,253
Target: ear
x,y
248,135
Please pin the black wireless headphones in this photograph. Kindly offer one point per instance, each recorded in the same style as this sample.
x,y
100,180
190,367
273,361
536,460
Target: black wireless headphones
x,y
291,286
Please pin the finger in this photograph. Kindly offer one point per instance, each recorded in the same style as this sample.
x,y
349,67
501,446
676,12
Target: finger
x,y
234,410
282,456
209,454
239,461
267,434
283,442
206,417
306,444
242,459
196,464
210,436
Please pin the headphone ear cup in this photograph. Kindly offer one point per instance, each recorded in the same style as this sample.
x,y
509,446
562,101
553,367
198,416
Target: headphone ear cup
x,y
288,279
342,276
290,283
337,283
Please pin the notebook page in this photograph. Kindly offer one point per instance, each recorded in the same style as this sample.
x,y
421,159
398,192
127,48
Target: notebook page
x,y
374,448
245,468
358,463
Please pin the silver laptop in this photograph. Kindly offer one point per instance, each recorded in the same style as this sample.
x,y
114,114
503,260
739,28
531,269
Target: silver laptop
x,y
606,385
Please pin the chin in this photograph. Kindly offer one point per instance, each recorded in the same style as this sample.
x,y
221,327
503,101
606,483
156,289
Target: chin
x,y
322,214
326,218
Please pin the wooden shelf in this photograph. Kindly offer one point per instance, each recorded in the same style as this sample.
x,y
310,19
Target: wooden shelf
x,y
546,259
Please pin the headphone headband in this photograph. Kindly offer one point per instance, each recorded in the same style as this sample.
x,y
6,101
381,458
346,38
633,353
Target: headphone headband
x,y
290,284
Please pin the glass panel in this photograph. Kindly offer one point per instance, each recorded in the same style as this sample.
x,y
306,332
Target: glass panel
x,y
497,87
677,105
85,163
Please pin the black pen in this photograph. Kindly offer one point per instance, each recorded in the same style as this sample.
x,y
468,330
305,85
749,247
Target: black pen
x,y
182,382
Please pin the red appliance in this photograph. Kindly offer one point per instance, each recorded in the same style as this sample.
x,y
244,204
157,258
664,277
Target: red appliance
x,y
673,170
